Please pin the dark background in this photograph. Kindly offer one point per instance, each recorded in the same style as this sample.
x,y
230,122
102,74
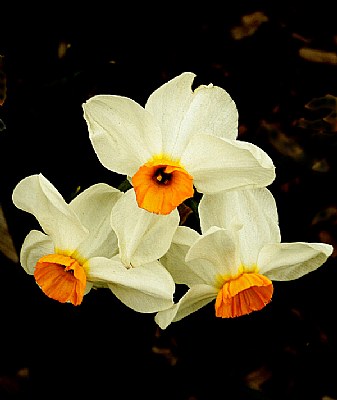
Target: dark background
x,y
54,60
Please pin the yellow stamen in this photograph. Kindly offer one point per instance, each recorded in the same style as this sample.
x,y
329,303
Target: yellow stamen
x,y
242,295
161,185
61,278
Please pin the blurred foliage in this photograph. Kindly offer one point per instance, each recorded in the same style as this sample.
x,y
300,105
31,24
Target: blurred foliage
x,y
249,25
327,121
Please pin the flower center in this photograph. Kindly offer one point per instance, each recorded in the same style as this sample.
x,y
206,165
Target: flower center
x,y
242,295
161,177
161,185
61,278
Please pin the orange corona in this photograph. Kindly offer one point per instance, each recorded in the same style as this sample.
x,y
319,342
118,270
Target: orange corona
x,y
61,278
161,185
246,293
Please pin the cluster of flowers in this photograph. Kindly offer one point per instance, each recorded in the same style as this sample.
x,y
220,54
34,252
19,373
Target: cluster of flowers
x,y
133,242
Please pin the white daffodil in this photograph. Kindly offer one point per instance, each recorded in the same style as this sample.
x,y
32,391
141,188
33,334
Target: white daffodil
x,y
237,256
73,252
181,140
72,234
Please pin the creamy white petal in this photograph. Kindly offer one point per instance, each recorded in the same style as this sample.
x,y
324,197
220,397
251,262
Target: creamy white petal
x,y
36,195
194,299
182,112
288,261
35,246
142,236
216,246
219,164
174,258
93,206
185,236
147,288
123,134
254,209
88,287
165,318
214,112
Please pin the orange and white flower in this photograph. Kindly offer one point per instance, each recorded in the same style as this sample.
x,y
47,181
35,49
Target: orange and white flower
x,y
181,140
73,252
237,256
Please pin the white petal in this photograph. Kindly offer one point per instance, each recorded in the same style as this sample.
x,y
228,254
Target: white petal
x,y
35,246
123,134
254,209
181,113
36,195
288,261
219,164
174,258
214,112
185,236
142,236
194,299
93,206
216,246
147,288
88,287
165,318
169,105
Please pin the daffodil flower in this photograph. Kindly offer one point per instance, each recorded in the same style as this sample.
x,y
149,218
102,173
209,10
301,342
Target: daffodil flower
x,y
237,256
181,140
72,254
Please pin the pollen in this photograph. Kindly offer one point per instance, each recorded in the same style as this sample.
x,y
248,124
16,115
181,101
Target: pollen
x,y
61,278
242,295
161,185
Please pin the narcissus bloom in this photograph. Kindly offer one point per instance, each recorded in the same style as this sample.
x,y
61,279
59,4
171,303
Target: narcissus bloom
x,y
181,140
72,253
237,256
